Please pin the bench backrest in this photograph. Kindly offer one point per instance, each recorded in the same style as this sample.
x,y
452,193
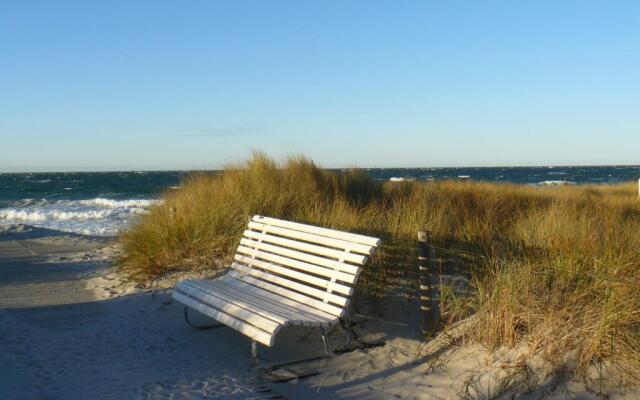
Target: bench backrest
x,y
312,265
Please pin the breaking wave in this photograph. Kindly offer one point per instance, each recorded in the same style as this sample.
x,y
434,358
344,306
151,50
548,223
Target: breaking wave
x,y
556,183
99,216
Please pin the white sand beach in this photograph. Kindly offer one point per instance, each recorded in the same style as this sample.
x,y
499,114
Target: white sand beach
x,y
70,328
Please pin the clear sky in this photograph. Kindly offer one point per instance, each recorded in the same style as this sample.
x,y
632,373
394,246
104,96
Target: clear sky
x,y
194,84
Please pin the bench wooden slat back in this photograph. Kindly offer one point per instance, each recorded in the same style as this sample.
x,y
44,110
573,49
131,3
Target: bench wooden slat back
x,y
331,233
314,266
306,247
312,238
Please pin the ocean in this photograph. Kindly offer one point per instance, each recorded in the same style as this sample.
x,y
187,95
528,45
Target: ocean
x,y
104,203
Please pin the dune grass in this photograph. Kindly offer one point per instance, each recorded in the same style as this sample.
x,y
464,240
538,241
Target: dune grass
x,y
555,268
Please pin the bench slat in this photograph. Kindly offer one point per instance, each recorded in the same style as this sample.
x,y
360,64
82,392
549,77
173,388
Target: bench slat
x,y
264,322
260,306
323,283
258,335
306,289
311,248
310,237
332,233
278,299
294,312
299,265
324,262
301,298
206,293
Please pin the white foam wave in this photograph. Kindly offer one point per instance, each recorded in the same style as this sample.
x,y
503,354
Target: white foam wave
x,y
556,183
400,179
38,180
58,215
99,216
99,201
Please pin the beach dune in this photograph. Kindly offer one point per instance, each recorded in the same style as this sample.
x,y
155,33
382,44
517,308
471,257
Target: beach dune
x,y
71,328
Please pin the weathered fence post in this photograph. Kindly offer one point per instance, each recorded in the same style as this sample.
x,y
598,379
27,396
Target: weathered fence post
x,y
426,291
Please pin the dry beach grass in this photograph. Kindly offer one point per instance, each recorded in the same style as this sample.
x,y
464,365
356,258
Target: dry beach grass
x,y
553,268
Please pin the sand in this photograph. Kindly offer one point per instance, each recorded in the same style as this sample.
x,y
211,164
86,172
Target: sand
x,y
69,329
444,368
72,328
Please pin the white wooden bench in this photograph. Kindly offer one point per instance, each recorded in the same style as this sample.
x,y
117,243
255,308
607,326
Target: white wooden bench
x,y
284,273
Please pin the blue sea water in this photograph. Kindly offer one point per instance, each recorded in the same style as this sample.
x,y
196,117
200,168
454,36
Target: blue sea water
x,y
104,203
589,175
88,203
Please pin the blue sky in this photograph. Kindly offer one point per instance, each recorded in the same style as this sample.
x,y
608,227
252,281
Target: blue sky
x,y
194,84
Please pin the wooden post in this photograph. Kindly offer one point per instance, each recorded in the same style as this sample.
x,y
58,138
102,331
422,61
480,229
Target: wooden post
x,y
638,187
426,291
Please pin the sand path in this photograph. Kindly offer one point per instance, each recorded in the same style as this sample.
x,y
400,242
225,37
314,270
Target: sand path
x,y
57,341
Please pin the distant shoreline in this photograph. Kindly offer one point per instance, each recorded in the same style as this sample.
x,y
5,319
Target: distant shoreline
x,y
327,168
104,204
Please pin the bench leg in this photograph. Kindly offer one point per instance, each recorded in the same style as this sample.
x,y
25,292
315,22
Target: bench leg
x,y
201,327
254,350
325,345
323,333
347,330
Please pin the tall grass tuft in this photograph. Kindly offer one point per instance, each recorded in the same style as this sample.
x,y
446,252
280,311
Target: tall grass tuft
x,y
556,268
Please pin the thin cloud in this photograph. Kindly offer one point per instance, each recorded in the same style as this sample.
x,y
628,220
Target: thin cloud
x,y
211,132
